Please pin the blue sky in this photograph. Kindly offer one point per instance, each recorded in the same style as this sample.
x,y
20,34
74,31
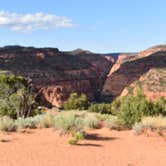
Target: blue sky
x,y
96,25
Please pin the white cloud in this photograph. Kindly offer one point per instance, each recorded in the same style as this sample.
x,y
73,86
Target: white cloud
x,y
31,22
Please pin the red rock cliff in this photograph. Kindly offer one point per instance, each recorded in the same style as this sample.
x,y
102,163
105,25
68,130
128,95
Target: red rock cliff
x,y
153,84
56,74
131,70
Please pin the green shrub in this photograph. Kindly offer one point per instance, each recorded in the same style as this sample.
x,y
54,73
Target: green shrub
x,y
91,121
73,141
102,117
116,104
79,135
100,108
160,106
39,121
76,137
46,120
7,124
114,123
153,123
20,123
130,109
72,122
67,121
16,97
76,102
138,128
6,109
133,108
29,122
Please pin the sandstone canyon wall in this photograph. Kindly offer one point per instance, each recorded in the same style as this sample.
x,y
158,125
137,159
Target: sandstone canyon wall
x,y
153,84
56,74
131,69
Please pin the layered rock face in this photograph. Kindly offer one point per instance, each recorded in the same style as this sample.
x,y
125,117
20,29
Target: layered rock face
x,y
122,58
56,74
132,69
153,84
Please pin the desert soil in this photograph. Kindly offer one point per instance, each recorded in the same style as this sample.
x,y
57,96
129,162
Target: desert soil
x,y
102,148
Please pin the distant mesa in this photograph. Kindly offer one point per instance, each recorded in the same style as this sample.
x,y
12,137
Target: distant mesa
x,y
79,51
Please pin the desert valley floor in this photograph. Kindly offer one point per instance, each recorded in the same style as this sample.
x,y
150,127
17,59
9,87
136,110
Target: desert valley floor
x,y
102,147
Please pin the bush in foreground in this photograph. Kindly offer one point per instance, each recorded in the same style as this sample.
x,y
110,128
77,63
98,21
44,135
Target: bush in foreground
x,y
67,122
133,108
71,121
91,121
152,123
46,120
23,123
7,124
114,123
76,137
16,97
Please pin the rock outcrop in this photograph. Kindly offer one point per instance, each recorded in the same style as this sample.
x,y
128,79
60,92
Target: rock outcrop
x,y
56,74
124,74
122,58
153,84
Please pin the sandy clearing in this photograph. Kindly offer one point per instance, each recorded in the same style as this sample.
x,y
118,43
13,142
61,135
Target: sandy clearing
x,y
102,148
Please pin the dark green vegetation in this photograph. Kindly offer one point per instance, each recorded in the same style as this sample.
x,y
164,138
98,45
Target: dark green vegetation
x,y
16,97
76,136
80,102
133,108
129,109
76,102
160,106
102,108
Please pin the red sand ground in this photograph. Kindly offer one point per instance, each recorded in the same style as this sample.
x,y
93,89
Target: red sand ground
x,y
103,148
